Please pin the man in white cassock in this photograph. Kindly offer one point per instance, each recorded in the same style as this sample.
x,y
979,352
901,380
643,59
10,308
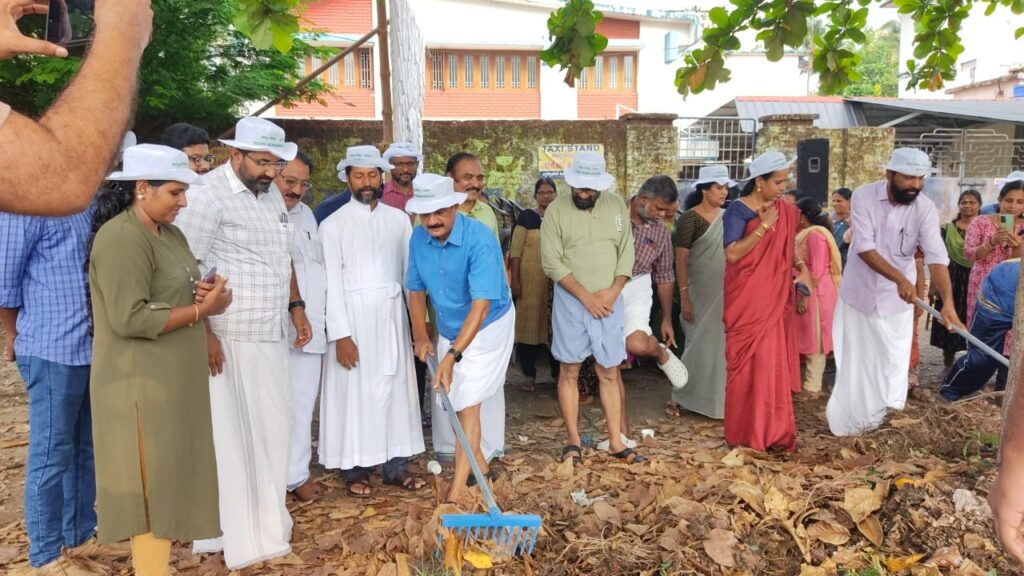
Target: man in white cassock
x,y
369,413
305,364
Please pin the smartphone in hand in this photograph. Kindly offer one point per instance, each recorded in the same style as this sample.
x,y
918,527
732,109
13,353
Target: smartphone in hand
x,y
1006,221
70,22
803,289
210,276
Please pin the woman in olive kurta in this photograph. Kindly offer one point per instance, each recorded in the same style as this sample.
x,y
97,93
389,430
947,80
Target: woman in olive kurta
x,y
155,467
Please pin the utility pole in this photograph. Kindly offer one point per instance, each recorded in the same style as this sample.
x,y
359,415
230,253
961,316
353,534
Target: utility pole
x,y
385,70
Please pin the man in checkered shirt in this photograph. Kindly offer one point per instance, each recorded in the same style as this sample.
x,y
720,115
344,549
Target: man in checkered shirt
x,y
652,244
237,225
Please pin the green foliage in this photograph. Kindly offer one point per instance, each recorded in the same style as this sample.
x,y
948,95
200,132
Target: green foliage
x,y
268,22
879,64
575,44
782,25
197,69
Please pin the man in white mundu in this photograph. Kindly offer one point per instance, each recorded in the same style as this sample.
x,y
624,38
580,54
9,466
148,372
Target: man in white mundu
x,y
305,364
369,414
237,225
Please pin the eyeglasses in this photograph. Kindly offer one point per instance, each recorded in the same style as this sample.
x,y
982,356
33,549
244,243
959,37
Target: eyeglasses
x,y
406,164
203,159
292,182
264,164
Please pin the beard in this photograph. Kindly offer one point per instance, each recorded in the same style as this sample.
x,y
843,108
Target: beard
x,y
585,204
403,179
367,194
258,185
904,196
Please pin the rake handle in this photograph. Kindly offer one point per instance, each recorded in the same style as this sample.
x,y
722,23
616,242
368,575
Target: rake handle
x,y
481,480
967,335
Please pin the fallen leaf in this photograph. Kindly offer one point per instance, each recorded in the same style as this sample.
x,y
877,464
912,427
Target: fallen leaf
x,y
750,494
807,570
721,546
607,513
565,470
776,503
871,528
830,532
733,458
477,558
860,502
946,557
897,564
637,529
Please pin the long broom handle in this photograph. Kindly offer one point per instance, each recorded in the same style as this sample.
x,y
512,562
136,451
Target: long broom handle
x,y
967,335
481,480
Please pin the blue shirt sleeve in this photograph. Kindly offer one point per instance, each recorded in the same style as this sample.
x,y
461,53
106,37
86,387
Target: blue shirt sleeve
x,y
734,222
413,280
486,268
18,236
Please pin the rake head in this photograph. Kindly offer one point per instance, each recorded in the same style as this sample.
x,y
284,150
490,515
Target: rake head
x,y
501,536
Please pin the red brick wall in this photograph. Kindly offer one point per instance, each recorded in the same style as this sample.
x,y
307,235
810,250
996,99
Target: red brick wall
x,y
481,104
619,29
340,16
595,105
344,104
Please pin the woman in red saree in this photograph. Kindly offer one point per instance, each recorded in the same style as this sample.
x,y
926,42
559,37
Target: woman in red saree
x,y
763,364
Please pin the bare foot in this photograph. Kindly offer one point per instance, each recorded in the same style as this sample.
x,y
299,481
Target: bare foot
x,y
309,490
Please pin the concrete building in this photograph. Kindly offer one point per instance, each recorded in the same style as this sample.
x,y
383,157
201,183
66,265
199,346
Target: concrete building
x,y
992,64
482,62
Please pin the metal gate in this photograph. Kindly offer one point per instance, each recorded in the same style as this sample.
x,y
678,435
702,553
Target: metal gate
x,y
973,156
715,140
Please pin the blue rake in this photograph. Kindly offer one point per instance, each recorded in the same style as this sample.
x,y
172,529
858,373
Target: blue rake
x,y
501,536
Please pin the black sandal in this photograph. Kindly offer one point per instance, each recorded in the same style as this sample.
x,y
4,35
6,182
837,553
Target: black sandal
x,y
625,456
570,448
406,481
471,481
363,481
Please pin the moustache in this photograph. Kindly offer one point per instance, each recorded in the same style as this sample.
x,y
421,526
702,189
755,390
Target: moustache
x,y
292,195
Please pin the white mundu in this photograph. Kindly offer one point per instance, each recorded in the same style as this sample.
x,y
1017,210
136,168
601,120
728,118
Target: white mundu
x,y
368,414
305,364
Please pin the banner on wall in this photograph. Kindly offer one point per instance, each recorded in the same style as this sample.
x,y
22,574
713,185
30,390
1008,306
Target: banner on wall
x,y
553,159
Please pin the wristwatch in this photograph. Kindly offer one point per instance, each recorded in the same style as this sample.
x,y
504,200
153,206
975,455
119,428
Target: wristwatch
x,y
296,304
456,353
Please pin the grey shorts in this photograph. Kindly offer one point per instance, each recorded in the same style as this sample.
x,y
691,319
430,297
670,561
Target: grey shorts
x,y
576,334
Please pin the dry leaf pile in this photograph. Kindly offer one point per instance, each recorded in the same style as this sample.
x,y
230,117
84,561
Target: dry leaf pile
x,y
906,499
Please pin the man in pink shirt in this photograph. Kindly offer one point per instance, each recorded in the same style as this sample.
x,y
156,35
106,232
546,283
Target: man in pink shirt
x,y
406,162
873,327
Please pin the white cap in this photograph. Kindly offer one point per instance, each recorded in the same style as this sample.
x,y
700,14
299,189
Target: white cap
x,y
128,141
432,192
361,157
588,171
716,173
155,162
769,162
402,149
258,135
910,161
1014,176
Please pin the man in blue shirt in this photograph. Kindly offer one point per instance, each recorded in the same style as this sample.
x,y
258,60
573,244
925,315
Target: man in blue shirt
x,y
43,306
458,262
993,319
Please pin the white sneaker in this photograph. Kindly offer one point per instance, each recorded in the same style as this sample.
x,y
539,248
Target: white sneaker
x,y
674,369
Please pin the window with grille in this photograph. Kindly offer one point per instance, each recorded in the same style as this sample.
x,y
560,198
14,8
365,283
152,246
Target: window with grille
x,y
472,70
437,71
613,72
627,72
610,73
598,71
350,70
365,69
516,72
584,76
314,63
